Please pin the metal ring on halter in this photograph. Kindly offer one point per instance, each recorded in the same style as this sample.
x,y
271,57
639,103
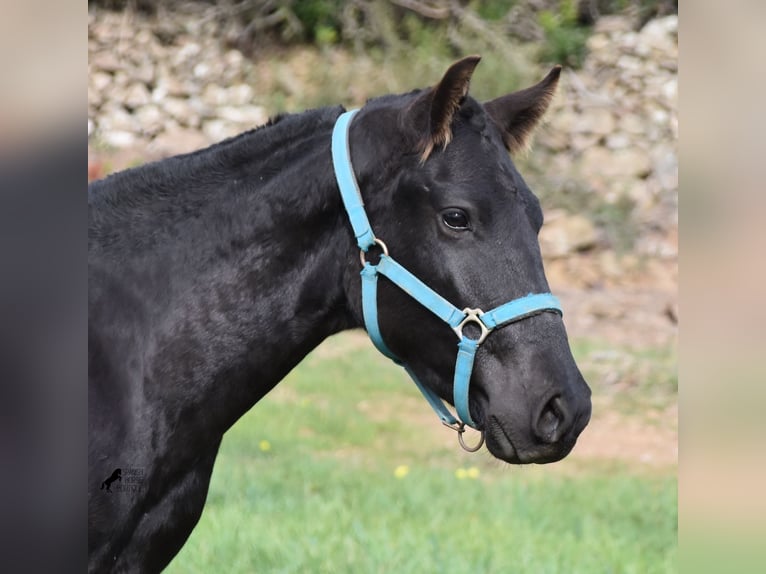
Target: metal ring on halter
x,y
472,316
380,244
459,428
465,446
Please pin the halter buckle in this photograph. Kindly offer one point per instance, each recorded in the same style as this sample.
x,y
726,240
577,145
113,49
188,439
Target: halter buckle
x,y
363,252
472,316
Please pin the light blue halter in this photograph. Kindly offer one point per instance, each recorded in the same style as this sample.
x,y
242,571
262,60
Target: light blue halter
x,y
515,310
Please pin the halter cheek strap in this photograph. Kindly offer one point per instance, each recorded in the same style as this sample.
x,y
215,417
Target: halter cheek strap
x,y
510,312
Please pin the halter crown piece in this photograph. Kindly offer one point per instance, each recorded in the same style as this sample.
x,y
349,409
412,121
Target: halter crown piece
x,y
515,310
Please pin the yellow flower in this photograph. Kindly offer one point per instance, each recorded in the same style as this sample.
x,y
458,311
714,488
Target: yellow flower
x,y
460,473
473,472
264,445
401,471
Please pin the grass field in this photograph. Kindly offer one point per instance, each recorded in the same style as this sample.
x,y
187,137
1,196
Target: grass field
x,y
344,468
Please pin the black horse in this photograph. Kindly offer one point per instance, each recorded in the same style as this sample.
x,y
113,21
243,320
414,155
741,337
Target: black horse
x,y
213,274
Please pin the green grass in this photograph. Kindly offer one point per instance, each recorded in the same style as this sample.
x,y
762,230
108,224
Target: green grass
x,y
306,482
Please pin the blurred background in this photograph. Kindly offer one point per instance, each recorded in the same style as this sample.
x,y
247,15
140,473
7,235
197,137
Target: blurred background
x,y
338,470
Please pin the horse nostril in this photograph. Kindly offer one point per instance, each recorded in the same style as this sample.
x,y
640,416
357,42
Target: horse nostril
x,y
551,424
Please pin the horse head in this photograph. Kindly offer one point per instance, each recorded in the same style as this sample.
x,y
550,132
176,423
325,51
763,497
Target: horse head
x,y
435,171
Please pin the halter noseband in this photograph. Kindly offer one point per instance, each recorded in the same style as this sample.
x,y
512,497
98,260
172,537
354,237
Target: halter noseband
x,y
515,310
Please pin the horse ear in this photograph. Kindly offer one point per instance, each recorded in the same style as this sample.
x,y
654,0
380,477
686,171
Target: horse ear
x,y
519,113
442,102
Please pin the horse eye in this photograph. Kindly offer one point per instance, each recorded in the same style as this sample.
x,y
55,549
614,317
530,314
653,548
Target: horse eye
x,y
455,219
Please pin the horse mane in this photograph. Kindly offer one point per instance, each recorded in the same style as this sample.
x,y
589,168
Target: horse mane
x,y
254,145
273,134
135,196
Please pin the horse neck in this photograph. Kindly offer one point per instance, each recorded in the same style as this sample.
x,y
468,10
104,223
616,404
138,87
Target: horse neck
x,y
239,255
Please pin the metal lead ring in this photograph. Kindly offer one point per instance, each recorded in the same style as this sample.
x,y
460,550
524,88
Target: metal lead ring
x,y
379,243
465,446
472,316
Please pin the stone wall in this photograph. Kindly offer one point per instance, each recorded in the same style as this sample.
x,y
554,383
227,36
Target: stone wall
x,y
165,84
614,129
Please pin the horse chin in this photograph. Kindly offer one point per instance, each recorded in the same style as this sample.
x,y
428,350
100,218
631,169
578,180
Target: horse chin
x,y
499,444
502,447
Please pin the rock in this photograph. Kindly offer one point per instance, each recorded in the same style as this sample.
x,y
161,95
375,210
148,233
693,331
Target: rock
x,y
182,111
168,85
165,31
136,96
233,59
202,71
632,124
603,309
665,167
629,43
118,139
565,234
189,52
150,119
214,95
625,163
639,193
659,116
121,80
655,245
599,121
217,130
192,88
114,118
245,115
95,98
288,82
670,92
555,140
205,111
618,141
144,73
582,142
100,81
144,38
105,61
565,119
597,43
643,50
660,34
629,64
610,264
593,160
177,140
240,95
613,24
632,162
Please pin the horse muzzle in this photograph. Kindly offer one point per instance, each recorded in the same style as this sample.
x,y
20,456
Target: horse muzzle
x,y
543,430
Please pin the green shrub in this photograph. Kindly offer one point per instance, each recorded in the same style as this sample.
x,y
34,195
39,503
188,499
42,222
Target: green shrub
x,y
493,9
565,38
320,19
